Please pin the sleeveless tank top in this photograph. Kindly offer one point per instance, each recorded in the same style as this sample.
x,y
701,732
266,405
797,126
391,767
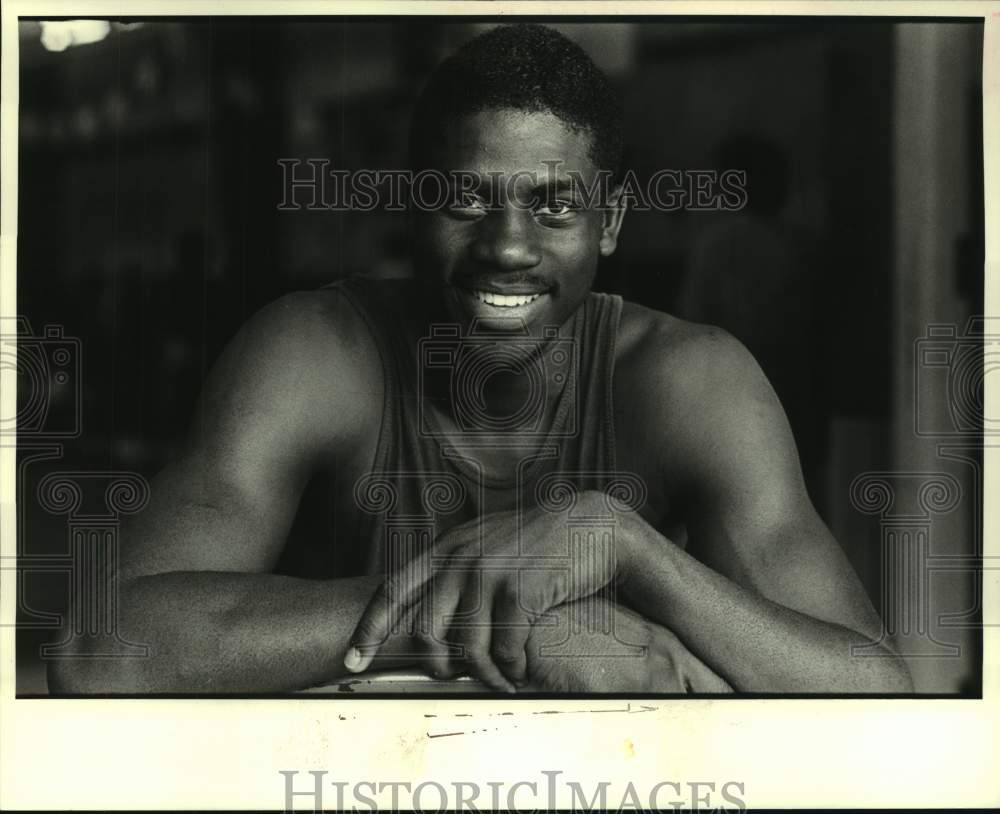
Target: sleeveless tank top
x,y
424,481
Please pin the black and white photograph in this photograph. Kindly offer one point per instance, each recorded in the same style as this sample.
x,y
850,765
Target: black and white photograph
x,y
517,358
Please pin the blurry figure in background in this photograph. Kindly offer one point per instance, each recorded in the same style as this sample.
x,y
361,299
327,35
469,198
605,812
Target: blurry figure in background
x,y
753,273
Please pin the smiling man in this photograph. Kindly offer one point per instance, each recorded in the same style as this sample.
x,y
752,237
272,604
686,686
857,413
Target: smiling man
x,y
547,488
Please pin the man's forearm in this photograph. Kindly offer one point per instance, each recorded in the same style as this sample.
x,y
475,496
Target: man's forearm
x,y
596,645
757,645
228,632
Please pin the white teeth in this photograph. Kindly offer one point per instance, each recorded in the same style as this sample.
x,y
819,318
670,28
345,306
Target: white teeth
x,y
505,300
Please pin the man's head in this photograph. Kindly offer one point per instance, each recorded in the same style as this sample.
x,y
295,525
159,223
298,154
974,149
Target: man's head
x,y
514,116
530,68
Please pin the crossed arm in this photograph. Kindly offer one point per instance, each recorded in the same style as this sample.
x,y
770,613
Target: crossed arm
x,y
766,595
195,582
763,597
787,627
766,603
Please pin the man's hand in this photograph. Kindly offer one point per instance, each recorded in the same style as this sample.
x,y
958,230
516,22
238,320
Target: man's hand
x,y
490,580
595,646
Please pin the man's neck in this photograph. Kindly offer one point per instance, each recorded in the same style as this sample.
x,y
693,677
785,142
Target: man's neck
x,y
502,385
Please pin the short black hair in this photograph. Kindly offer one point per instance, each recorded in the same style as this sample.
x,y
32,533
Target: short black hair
x,y
525,67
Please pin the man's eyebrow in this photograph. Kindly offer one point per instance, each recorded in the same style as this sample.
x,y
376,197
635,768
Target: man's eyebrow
x,y
479,184
469,181
553,187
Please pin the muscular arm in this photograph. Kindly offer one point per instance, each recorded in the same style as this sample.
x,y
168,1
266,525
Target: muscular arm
x,y
764,594
194,581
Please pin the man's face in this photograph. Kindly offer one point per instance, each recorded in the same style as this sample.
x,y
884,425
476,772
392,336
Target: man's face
x,y
520,247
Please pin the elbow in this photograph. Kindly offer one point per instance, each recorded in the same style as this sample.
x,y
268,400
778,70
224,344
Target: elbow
x,y
102,664
69,675
72,672
82,671
900,678
886,673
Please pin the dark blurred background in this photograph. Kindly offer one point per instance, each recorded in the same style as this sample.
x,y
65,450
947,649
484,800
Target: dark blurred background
x,y
149,228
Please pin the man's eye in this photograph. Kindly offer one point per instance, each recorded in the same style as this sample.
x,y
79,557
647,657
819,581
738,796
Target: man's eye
x,y
556,209
467,206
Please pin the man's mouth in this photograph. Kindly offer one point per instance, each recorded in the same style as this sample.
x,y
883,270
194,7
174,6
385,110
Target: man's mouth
x,y
504,300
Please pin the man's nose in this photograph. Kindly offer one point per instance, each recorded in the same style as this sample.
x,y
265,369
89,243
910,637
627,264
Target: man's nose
x,y
506,240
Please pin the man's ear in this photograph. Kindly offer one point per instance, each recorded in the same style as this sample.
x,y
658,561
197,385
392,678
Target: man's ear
x,y
613,213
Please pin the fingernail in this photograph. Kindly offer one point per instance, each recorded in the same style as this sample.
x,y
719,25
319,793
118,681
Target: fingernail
x,y
352,661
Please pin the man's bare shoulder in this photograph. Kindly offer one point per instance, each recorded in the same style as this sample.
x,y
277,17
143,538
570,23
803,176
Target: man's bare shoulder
x,y
307,335
661,354
695,398
318,319
306,359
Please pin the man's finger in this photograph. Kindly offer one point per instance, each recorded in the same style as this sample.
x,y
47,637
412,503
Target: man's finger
x,y
437,606
511,628
384,611
471,629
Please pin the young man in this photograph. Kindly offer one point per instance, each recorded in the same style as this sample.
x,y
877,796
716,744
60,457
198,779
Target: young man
x,y
549,489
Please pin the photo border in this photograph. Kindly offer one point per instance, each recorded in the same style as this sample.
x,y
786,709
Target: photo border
x,y
226,753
